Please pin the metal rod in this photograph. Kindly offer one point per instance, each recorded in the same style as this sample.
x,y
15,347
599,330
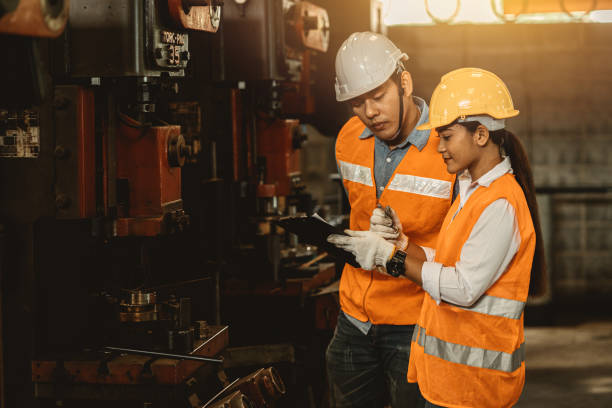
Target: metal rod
x,y
165,355
220,393
181,283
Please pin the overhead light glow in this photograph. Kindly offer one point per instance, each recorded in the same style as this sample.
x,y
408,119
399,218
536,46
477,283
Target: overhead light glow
x,y
414,12
478,12
410,12
443,9
601,16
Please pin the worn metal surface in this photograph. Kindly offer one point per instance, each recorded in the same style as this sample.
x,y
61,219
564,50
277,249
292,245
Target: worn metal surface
x,y
308,26
258,355
39,18
151,353
254,40
142,159
130,39
74,152
129,368
201,18
277,143
234,400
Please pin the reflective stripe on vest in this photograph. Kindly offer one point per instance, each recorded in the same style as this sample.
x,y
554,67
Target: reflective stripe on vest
x,y
356,173
421,185
496,306
470,356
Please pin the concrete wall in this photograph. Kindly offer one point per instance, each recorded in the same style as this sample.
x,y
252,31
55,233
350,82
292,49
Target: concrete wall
x,y
560,77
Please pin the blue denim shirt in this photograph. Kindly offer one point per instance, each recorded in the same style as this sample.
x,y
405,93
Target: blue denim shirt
x,y
385,159
385,162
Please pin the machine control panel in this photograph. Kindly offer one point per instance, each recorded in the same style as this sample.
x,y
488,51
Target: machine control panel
x,y
171,49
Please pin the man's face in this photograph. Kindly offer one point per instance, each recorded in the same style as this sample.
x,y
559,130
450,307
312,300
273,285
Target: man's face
x,y
379,110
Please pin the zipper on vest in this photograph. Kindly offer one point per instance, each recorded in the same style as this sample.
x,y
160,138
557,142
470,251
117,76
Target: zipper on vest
x,y
366,294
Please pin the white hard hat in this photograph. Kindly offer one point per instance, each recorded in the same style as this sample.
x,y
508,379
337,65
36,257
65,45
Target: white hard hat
x,y
364,62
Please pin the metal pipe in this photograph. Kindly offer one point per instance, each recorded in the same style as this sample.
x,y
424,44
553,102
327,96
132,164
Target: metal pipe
x,y
165,355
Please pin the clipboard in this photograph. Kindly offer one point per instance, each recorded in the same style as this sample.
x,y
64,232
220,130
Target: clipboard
x,y
314,230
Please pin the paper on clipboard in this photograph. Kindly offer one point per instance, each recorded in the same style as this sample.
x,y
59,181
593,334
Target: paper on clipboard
x,y
314,230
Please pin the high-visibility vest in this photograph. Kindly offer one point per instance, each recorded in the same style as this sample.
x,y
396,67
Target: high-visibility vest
x,y
420,193
474,356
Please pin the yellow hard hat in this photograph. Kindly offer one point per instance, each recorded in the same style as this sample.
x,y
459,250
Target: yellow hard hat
x,y
468,92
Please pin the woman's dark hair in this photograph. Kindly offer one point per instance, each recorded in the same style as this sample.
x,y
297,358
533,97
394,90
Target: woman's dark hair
x,y
524,176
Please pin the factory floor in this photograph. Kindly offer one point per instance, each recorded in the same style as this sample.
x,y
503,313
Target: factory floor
x,y
569,365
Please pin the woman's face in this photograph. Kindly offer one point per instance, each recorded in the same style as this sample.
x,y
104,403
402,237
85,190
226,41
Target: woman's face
x,y
458,148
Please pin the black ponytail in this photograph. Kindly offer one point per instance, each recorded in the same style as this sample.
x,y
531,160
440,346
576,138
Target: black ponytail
x,y
524,176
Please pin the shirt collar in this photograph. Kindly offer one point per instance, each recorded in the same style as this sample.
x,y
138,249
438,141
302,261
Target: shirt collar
x,y
489,177
418,138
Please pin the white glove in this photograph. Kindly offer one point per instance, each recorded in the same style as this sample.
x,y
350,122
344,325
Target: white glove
x,y
369,248
387,224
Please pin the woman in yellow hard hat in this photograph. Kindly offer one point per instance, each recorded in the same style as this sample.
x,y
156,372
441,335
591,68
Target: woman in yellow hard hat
x,y
468,347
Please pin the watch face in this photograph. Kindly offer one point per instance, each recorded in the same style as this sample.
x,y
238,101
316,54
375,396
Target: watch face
x,y
395,270
395,267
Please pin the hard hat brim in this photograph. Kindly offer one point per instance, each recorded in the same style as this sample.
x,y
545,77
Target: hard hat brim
x,y
429,125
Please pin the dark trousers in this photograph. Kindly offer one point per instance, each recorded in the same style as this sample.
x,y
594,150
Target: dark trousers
x,y
370,370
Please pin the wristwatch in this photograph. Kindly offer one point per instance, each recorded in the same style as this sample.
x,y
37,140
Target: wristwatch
x,y
395,266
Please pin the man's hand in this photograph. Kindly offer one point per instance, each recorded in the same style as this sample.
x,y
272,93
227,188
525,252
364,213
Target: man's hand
x,y
387,224
369,248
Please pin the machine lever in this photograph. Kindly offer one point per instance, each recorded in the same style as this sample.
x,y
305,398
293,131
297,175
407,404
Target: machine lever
x,y
165,355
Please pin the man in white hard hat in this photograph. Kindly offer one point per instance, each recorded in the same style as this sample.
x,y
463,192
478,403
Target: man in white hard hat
x,y
398,186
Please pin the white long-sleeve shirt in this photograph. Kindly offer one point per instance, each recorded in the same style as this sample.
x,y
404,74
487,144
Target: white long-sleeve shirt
x,y
486,254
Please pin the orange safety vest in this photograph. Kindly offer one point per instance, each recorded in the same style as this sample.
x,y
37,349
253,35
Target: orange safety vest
x,y
420,193
474,356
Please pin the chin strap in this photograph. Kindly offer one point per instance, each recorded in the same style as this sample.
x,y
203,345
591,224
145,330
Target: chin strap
x,y
401,110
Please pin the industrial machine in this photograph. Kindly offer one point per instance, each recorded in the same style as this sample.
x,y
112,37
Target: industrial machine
x,y
152,145
268,47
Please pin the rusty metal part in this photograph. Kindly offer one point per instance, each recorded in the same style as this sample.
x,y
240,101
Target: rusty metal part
x,y
169,223
275,143
75,178
139,306
308,26
189,116
176,356
142,159
132,38
263,387
137,315
127,369
313,261
178,151
235,400
273,383
202,329
153,204
259,355
196,14
140,297
38,18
